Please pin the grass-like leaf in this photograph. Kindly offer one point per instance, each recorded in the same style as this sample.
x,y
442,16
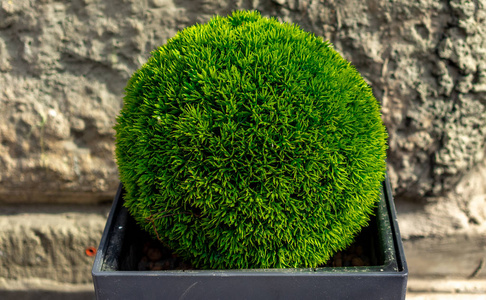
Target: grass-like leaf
x,y
249,143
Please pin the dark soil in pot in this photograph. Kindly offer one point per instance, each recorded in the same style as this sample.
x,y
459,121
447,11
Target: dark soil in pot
x,y
147,254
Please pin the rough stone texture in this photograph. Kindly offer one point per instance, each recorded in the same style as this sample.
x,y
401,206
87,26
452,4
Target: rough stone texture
x,y
463,211
450,286
457,256
64,64
42,289
49,242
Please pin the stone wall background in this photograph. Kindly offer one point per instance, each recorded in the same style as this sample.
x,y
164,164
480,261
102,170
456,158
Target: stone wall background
x,y
64,65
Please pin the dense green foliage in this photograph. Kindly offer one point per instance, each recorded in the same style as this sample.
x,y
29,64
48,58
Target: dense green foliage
x,y
248,143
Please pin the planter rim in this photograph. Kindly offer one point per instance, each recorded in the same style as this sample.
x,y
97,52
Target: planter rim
x,y
387,279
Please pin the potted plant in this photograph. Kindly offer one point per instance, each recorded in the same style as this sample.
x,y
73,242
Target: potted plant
x,y
255,154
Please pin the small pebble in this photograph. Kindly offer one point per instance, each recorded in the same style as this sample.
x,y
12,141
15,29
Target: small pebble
x,y
143,265
146,246
154,254
338,262
357,262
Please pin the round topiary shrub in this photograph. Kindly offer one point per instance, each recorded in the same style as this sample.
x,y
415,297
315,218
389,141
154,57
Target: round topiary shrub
x,y
248,143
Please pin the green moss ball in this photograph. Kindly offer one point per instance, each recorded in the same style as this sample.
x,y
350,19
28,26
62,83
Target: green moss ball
x,y
249,143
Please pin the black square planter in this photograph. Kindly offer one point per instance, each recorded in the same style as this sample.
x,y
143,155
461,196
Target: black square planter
x,y
115,272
